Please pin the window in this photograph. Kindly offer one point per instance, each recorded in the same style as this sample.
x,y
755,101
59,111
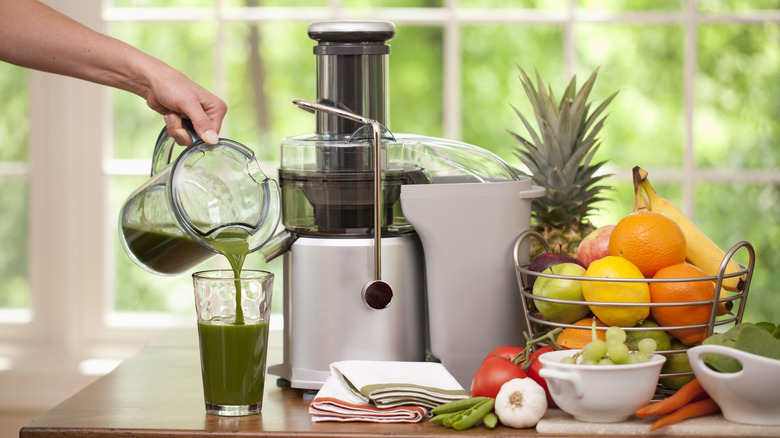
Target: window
x,y
697,108
14,185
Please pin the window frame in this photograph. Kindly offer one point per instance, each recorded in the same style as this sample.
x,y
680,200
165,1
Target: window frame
x,y
69,168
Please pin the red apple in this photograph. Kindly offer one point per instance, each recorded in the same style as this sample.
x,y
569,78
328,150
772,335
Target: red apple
x,y
595,245
546,260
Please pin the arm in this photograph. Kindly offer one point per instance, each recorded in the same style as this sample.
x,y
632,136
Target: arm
x,y
35,36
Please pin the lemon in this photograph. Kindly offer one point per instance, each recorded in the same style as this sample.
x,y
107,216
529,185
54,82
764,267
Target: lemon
x,y
616,292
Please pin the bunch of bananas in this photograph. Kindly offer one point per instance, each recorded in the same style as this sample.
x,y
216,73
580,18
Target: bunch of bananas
x,y
701,250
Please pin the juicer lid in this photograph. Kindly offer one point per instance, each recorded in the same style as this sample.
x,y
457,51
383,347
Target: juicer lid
x,y
447,161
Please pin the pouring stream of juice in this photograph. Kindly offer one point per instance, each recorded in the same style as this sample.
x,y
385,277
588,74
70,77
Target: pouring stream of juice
x,y
235,249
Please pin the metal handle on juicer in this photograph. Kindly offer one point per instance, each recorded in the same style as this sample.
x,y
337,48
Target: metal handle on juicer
x,y
377,286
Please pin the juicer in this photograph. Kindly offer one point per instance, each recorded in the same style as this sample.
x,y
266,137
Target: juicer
x,y
396,246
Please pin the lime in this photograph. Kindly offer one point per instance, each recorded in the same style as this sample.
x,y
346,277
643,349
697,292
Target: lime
x,y
676,363
660,337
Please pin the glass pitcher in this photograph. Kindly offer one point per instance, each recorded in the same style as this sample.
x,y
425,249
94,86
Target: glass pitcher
x,y
209,192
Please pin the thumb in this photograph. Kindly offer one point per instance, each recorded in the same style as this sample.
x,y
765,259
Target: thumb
x,y
203,127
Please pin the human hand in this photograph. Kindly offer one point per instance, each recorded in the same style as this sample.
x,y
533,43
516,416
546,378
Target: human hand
x,y
174,95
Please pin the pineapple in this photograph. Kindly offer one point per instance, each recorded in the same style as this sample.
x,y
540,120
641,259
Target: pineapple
x,y
559,159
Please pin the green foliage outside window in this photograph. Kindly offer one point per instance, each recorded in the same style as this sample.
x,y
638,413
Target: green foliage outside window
x,y
15,132
735,124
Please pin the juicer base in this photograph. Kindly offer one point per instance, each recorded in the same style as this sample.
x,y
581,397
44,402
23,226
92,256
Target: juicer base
x,y
326,318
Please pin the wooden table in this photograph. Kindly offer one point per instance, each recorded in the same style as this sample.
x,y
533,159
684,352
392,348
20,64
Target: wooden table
x,y
158,393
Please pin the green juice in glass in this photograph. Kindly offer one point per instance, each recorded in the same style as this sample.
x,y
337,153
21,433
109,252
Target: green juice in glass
x,y
233,349
233,361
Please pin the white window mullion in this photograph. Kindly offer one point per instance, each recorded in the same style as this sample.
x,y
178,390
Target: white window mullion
x,y
691,30
569,46
452,74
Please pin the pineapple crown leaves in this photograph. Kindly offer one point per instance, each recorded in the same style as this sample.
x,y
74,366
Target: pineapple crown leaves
x,y
559,157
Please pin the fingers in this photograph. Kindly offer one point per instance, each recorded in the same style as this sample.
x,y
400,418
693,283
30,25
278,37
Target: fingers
x,y
176,130
206,119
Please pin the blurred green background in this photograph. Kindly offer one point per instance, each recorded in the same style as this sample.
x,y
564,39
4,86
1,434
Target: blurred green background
x,y
734,126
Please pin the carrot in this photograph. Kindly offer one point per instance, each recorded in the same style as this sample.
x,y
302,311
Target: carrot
x,y
691,391
699,408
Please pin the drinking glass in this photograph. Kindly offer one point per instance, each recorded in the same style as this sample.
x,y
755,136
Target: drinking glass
x,y
233,316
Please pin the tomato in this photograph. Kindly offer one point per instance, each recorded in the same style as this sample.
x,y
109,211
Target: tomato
x,y
533,372
496,369
507,351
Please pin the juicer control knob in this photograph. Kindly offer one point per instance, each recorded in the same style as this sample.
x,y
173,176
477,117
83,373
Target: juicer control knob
x,y
377,294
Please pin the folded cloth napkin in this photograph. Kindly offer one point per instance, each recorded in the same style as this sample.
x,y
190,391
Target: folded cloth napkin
x,y
336,402
361,390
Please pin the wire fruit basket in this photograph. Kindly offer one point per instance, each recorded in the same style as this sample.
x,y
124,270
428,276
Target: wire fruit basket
x,y
734,301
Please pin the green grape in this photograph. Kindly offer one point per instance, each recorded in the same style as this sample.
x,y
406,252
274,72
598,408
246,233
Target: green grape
x,y
568,359
647,345
595,350
588,362
616,333
618,352
637,357
606,361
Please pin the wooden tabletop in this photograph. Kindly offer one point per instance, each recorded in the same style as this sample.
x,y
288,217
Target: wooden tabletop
x,y
158,393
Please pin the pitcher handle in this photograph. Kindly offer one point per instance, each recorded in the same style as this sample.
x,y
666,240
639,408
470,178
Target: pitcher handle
x,y
163,149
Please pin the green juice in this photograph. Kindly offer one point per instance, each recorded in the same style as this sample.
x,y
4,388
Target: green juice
x,y
167,252
233,361
235,250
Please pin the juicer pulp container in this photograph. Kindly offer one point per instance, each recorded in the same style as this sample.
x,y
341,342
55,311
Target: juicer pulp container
x,y
467,232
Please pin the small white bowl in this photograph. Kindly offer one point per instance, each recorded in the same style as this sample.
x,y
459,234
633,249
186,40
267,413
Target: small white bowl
x,y
750,396
600,393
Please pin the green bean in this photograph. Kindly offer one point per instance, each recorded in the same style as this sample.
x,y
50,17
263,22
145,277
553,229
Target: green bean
x,y
439,418
457,405
473,414
453,417
491,420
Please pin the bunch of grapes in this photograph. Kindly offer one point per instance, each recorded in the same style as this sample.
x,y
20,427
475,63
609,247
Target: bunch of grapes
x,y
614,351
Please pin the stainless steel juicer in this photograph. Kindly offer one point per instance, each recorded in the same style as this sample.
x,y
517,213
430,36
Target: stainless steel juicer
x,y
430,222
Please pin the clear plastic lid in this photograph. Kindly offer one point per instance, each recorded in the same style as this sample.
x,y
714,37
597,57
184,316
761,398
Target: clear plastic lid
x,y
446,161
438,160
328,183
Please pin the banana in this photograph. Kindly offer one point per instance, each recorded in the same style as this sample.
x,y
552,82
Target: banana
x,y
724,307
702,251
640,199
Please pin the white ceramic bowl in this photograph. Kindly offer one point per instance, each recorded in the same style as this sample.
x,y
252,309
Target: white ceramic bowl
x,y
600,393
750,396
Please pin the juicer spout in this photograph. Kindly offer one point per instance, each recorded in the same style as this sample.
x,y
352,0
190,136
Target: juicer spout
x,y
279,244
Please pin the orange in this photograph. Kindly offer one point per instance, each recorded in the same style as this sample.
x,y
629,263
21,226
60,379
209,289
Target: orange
x,y
650,240
683,291
572,337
